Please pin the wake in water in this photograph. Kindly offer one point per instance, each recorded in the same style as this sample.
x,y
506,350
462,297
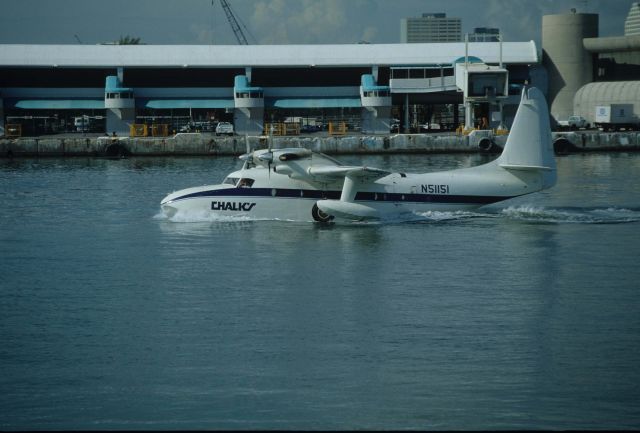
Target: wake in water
x,y
527,213
609,215
539,214
207,217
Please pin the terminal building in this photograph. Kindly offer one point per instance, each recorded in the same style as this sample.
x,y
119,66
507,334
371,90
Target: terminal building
x,y
367,87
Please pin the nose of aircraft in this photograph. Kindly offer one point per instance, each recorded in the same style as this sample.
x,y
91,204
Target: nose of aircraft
x,y
168,210
166,207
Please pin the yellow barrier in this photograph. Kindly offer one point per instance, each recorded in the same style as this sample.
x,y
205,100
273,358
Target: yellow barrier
x,y
291,128
138,130
282,128
272,129
339,129
13,130
461,130
160,130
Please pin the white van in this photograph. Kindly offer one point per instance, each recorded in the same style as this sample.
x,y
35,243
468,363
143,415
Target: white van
x,y
224,128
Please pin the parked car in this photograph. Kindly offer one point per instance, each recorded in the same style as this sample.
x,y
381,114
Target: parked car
x,y
429,126
310,128
224,128
573,122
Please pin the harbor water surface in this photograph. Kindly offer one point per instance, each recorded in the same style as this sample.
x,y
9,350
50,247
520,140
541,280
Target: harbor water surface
x,y
523,315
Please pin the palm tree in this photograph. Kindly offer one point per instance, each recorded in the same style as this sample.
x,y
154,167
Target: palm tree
x,y
128,40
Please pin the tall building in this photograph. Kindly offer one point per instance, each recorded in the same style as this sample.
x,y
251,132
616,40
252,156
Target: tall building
x,y
485,34
632,23
430,28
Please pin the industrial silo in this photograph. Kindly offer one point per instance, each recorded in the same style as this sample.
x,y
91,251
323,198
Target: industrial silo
x,y
569,65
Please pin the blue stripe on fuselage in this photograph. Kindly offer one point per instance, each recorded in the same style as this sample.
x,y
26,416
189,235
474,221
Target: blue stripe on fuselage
x,y
335,195
264,192
427,198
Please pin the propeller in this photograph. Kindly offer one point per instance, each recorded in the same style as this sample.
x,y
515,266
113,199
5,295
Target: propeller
x,y
268,158
247,158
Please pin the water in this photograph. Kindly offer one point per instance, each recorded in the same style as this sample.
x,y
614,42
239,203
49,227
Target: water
x,y
524,315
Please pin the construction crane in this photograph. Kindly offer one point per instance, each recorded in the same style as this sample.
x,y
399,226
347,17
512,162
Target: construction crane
x,y
242,40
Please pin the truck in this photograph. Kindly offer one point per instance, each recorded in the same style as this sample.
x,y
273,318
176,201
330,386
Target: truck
x,y
82,123
88,123
573,122
615,117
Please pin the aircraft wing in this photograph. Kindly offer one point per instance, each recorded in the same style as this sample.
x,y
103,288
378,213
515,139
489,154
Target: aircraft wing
x,y
306,165
333,172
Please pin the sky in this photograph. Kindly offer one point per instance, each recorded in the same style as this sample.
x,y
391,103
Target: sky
x,y
277,21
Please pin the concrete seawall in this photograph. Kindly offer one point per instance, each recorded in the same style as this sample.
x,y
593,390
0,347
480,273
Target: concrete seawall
x,y
209,145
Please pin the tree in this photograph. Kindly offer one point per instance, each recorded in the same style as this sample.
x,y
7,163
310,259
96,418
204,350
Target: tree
x,y
128,40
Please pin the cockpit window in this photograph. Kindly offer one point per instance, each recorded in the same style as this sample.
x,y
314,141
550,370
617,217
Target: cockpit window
x,y
230,181
245,182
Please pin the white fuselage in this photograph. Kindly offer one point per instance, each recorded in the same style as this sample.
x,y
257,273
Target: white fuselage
x,y
300,185
278,196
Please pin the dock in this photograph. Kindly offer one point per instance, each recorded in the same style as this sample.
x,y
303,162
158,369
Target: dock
x,y
204,144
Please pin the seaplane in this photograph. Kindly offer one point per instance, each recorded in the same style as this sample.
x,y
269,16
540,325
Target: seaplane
x,y
298,184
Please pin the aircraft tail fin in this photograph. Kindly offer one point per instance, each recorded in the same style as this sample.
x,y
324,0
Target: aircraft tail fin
x,y
529,146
